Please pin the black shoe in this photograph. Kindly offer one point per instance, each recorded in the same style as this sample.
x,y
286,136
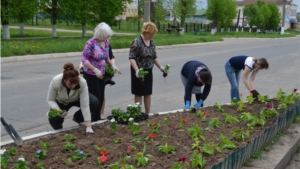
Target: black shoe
x,y
111,82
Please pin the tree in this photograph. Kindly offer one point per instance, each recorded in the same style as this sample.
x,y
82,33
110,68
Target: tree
x,y
169,6
159,11
215,11
229,14
5,18
23,10
251,14
274,20
185,8
264,13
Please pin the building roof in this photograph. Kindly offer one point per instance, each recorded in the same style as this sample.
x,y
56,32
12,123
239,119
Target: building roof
x,y
244,2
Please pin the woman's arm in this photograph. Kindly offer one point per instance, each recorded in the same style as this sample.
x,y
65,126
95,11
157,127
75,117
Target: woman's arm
x,y
133,64
246,73
157,63
252,78
51,96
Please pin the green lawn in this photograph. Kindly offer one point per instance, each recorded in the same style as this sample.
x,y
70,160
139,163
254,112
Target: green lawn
x,y
40,42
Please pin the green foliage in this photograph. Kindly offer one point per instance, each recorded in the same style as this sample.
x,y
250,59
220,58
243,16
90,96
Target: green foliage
x,y
5,160
23,10
117,140
40,154
109,70
230,119
197,159
196,131
121,164
183,9
209,148
251,13
141,158
250,99
44,145
167,68
21,164
166,149
113,125
230,12
53,113
79,155
215,11
263,98
196,143
40,165
68,137
119,114
181,164
218,107
142,73
257,120
274,19
166,120
214,122
134,127
226,143
239,133
268,111
134,110
69,147
12,151
246,116
136,140
234,102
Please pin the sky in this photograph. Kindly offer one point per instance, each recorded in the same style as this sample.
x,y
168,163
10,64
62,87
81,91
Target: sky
x,y
297,2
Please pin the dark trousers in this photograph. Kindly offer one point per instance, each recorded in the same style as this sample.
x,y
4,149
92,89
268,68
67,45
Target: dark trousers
x,y
97,88
57,122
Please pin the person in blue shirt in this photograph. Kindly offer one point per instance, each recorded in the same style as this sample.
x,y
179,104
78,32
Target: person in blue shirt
x,y
194,75
250,65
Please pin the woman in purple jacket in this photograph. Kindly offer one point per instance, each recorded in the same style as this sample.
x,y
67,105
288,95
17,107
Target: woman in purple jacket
x,y
233,69
194,75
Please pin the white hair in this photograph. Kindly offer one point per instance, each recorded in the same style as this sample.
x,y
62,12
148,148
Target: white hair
x,y
103,31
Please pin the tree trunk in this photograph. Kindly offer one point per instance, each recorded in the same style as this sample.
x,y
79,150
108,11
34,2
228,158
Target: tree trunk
x,y
53,30
5,19
6,34
22,29
83,30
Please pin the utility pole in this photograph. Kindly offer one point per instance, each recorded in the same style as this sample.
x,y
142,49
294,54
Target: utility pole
x,y
147,4
283,17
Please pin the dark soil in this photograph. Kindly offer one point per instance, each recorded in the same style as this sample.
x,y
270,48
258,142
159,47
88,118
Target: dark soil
x,y
56,157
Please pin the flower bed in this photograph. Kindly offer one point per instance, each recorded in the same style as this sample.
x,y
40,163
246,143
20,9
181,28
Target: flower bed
x,y
204,137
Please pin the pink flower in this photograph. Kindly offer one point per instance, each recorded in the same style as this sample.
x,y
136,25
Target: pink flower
x,y
103,159
129,149
182,159
199,150
269,106
185,120
295,90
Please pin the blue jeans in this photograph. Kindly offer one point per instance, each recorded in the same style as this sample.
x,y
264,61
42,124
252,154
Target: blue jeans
x,y
233,76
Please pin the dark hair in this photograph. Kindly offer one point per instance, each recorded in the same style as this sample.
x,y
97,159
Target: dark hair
x,y
70,73
263,63
205,76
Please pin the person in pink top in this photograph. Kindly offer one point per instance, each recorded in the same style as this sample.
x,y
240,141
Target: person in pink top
x,y
94,58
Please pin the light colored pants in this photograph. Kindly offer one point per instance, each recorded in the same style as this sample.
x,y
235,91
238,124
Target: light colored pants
x,y
233,76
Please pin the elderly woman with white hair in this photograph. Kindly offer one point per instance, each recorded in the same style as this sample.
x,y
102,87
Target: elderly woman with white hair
x,y
94,58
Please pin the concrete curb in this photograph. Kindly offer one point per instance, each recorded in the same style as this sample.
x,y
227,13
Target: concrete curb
x,y
76,54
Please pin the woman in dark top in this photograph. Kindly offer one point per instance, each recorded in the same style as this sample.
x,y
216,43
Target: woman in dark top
x,y
143,55
233,69
194,75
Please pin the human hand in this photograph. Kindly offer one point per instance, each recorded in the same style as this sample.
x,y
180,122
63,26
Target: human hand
x,y
116,69
137,73
98,73
89,130
187,105
198,104
254,93
64,113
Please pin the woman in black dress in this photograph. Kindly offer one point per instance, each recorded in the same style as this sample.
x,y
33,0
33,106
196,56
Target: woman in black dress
x,y
143,55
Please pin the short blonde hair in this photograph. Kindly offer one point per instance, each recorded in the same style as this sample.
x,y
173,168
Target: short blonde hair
x,y
103,31
149,28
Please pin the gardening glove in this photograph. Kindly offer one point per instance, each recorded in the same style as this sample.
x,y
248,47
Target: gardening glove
x,y
254,94
162,69
187,105
116,69
98,73
64,113
198,104
137,73
89,130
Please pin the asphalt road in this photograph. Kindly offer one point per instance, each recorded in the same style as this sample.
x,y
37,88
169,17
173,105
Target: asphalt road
x,y
24,84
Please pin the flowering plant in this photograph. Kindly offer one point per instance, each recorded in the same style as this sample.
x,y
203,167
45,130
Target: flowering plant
x,y
4,158
44,144
239,133
40,165
68,137
119,114
214,122
21,164
151,136
155,126
117,140
210,147
136,140
102,160
40,154
181,164
131,149
269,111
53,113
196,131
79,155
196,143
134,127
12,151
134,110
69,147
230,119
104,152
250,98
142,159
166,149
142,73
219,107
113,125
226,143
166,70
121,164
197,159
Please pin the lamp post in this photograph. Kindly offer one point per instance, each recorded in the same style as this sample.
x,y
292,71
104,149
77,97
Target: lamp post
x,y
147,4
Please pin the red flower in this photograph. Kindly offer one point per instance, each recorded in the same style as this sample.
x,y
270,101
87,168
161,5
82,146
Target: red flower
x,y
185,120
152,136
269,106
104,152
295,90
99,145
199,150
204,114
129,149
154,124
182,159
103,159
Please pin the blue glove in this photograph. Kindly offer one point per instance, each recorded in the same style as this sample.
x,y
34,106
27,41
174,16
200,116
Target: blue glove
x,y
199,104
187,105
